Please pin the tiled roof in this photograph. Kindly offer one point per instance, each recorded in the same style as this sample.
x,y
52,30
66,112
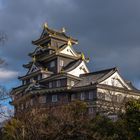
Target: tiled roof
x,y
72,65
95,77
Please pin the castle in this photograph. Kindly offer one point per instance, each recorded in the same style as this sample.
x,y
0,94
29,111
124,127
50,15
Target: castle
x,y
58,74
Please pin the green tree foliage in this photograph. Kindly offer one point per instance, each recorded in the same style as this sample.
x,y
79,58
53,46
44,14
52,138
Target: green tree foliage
x,y
132,118
71,122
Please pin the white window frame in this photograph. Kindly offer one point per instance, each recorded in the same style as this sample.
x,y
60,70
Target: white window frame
x,y
90,110
54,98
42,99
39,76
73,97
120,97
50,84
90,95
24,82
82,96
58,83
31,80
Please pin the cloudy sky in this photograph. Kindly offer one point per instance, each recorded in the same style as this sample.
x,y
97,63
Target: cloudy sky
x,y
108,32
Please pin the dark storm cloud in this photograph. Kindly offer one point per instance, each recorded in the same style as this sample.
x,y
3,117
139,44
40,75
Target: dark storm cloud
x,y
108,31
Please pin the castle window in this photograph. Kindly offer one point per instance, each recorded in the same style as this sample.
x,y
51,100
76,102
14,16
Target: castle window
x,y
82,96
36,78
73,97
61,63
90,110
119,98
52,64
24,82
72,83
90,95
50,84
42,99
39,76
27,81
58,83
54,98
31,80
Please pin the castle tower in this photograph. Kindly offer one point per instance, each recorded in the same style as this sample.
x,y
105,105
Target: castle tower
x,y
58,74
55,68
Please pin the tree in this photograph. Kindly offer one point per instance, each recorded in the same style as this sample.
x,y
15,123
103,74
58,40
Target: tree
x,y
132,118
71,122
4,94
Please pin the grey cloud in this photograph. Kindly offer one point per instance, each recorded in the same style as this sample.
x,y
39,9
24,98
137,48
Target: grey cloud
x,y
108,31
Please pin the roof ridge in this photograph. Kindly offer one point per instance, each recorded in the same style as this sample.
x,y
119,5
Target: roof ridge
x,y
73,63
100,71
105,76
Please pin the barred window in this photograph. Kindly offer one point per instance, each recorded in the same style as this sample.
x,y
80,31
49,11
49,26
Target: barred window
x,y
82,96
52,64
58,83
50,85
73,97
90,110
90,95
54,98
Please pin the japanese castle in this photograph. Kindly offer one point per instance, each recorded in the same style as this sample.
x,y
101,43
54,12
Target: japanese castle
x,y
58,74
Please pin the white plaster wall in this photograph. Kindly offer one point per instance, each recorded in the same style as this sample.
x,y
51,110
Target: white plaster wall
x,y
115,80
128,95
79,70
69,51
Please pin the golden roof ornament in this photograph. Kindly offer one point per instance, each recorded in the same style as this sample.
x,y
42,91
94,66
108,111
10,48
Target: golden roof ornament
x,y
45,25
69,43
83,56
84,59
63,30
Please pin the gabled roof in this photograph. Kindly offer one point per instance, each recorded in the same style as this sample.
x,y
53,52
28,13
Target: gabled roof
x,y
72,65
132,86
95,77
99,77
51,33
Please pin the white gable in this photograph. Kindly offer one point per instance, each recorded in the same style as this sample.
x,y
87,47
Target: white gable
x,y
69,51
33,69
81,69
116,80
